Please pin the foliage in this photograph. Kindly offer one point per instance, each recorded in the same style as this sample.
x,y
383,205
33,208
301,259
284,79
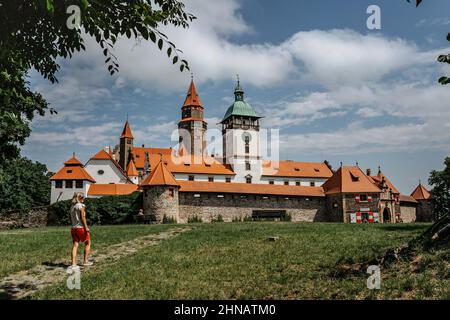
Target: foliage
x,y
195,219
444,58
219,218
23,184
99,211
168,220
35,33
440,181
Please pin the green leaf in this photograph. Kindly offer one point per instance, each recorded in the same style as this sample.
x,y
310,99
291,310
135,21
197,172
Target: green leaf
x,y
444,80
160,44
175,59
169,51
85,4
152,36
50,6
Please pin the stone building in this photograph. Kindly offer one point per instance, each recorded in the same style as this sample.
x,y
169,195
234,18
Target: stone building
x,y
425,206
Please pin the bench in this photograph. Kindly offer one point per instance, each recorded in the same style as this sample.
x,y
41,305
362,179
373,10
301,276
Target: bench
x,y
143,219
268,214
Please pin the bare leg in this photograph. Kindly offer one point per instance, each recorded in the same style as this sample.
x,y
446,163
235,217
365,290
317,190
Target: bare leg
x,y
74,253
87,249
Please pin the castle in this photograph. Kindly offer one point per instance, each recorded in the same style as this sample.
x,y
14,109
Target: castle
x,y
185,184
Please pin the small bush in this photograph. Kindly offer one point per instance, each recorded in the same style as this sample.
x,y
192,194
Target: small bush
x,y
167,220
236,219
195,219
286,218
218,219
248,219
99,211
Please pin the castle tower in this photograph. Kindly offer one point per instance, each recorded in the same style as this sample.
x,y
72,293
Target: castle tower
x,y
241,139
192,126
161,194
132,172
424,211
126,146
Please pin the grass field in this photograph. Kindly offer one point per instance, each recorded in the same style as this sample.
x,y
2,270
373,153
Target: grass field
x,y
230,261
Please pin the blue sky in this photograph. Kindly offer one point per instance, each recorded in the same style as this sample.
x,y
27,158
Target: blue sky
x,y
336,90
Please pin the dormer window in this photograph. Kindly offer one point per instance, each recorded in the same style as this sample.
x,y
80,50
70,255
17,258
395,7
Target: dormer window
x,y
354,177
69,171
297,169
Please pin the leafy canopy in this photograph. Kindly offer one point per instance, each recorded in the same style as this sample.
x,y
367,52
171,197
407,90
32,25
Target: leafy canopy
x,y
440,180
35,33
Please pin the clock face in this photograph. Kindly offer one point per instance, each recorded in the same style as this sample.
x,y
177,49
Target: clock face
x,y
246,137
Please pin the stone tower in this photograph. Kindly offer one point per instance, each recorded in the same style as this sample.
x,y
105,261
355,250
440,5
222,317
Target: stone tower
x,y
161,194
192,126
424,211
126,146
241,139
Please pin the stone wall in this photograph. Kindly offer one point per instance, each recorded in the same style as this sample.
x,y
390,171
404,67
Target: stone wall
x,y
209,206
408,212
35,217
159,201
352,206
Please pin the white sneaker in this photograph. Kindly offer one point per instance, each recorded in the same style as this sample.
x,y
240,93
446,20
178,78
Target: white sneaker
x,y
71,269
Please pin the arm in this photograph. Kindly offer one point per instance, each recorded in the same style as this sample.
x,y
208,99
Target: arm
x,y
83,219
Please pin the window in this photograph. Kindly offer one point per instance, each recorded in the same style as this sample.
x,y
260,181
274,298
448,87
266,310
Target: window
x,y
79,184
228,180
171,192
58,184
247,148
312,184
248,180
248,166
286,183
271,182
196,195
220,196
297,183
100,172
210,179
363,198
191,178
69,184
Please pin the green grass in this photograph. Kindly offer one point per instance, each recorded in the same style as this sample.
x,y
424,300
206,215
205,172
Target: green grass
x,y
235,261
25,248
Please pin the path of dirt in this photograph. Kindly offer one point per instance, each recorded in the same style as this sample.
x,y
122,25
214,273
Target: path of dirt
x,y
26,282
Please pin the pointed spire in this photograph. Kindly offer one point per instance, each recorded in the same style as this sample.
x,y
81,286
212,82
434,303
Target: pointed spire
x,y
192,98
238,91
73,161
160,176
126,133
131,169
421,193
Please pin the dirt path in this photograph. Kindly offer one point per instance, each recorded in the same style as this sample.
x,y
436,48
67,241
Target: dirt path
x,y
26,282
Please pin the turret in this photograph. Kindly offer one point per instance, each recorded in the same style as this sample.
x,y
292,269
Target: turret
x,y
126,146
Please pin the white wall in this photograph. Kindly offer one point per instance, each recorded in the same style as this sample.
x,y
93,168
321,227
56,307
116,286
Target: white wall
x,y
64,193
306,182
111,173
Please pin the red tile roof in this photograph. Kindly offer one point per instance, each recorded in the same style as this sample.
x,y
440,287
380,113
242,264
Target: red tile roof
x,y
187,164
160,176
349,180
296,169
126,133
244,188
405,198
192,98
102,155
111,189
420,193
73,170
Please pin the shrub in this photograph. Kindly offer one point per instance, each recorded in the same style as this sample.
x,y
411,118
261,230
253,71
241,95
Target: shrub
x,y
195,219
286,218
167,220
99,211
218,219
247,219
236,219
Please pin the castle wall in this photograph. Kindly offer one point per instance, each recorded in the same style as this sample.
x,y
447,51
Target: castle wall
x,y
208,206
408,212
350,205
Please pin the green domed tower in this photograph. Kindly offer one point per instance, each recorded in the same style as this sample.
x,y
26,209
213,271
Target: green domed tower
x,y
241,141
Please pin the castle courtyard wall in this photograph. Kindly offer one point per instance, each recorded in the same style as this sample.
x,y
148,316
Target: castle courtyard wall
x,y
209,206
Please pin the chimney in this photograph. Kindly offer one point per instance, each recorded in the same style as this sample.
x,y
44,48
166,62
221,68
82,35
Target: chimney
x,y
143,146
369,172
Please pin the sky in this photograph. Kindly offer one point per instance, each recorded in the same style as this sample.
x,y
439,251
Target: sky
x,y
336,90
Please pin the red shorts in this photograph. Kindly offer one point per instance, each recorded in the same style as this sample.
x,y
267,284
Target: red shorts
x,y
80,235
